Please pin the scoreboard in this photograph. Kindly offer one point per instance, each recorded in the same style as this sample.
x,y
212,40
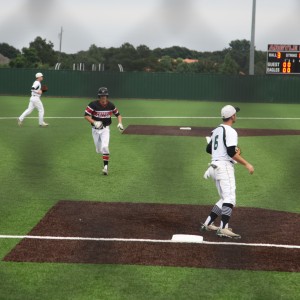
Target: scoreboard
x,y
283,59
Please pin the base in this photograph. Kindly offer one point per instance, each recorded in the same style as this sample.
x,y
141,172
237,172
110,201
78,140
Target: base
x,y
185,128
187,238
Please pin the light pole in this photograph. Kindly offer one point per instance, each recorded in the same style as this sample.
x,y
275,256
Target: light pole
x,y
252,47
60,38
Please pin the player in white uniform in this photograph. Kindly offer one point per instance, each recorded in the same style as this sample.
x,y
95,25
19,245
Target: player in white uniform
x,y
35,102
224,154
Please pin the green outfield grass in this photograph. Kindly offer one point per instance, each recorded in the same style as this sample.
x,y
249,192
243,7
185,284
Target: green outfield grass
x,y
41,166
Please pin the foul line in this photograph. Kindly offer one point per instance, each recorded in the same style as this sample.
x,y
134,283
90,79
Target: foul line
x,y
240,118
144,241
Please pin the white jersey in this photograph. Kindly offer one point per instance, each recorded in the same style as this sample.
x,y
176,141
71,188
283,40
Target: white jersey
x,y
36,86
222,137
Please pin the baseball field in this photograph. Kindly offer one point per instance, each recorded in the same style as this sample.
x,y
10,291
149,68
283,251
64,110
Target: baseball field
x,y
68,232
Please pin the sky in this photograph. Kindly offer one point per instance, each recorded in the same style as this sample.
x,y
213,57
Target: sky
x,y
201,25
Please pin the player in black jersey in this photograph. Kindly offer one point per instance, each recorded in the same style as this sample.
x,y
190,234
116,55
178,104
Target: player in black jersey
x,y
98,113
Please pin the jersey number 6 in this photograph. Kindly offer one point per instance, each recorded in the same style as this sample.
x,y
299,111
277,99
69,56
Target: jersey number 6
x,y
216,142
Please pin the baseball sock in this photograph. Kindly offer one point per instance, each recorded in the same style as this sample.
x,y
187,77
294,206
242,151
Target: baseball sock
x,y
226,214
215,212
105,158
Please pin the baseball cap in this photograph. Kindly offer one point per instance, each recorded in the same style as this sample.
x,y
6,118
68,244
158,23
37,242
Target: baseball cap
x,y
37,75
228,111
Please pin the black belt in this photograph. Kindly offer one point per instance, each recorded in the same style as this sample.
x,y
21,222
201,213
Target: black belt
x,y
225,160
99,128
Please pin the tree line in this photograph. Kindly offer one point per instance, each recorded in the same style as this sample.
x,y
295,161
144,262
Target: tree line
x,y
232,60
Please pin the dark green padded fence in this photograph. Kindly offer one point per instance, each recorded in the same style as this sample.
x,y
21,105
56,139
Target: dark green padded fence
x,y
268,88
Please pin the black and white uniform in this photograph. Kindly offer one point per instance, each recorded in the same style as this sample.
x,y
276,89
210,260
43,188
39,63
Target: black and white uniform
x,y
221,170
222,173
101,137
34,102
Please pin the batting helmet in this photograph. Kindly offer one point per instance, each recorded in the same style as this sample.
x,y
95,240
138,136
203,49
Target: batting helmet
x,y
103,91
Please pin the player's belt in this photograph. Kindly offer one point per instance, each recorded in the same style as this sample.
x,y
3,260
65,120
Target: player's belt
x,y
98,128
225,160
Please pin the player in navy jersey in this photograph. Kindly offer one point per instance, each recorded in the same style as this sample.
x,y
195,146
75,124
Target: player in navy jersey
x,y
98,113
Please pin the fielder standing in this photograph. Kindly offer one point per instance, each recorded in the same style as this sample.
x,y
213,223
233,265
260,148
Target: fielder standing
x,y
98,113
35,101
224,154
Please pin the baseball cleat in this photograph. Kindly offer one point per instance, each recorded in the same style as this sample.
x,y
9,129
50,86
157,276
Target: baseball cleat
x,y
44,124
228,233
19,122
210,227
105,170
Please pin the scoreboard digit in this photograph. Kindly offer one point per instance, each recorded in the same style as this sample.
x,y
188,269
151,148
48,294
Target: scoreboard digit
x,y
283,59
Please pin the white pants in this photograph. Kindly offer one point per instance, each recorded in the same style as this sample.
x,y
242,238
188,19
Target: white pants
x,y
224,178
101,139
34,102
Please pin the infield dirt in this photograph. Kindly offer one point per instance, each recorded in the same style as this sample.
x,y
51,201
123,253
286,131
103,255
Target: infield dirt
x,y
160,222
202,131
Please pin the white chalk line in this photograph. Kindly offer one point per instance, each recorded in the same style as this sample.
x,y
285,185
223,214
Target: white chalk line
x,y
181,117
145,241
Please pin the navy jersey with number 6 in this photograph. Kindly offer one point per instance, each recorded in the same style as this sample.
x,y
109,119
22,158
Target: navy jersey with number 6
x,y
98,112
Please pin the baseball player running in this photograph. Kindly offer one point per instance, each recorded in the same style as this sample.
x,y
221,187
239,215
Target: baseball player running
x,y
224,154
35,102
98,113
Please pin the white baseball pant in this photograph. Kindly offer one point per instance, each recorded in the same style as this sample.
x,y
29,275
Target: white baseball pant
x,y
224,178
34,102
101,139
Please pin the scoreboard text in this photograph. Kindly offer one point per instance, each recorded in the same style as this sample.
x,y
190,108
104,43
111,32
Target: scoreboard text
x,y
283,59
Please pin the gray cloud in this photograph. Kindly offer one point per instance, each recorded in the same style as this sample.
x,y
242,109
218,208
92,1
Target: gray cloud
x,y
203,25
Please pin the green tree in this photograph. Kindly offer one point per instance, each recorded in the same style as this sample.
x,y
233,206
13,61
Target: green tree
x,y
18,62
127,56
87,59
176,52
229,66
44,51
66,60
166,64
142,58
96,54
143,51
145,61
31,57
27,59
206,66
183,67
240,52
8,51
260,63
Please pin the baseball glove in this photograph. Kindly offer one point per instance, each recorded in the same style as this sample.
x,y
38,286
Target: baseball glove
x,y
44,88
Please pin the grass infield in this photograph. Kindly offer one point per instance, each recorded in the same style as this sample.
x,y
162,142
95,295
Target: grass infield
x,y
41,166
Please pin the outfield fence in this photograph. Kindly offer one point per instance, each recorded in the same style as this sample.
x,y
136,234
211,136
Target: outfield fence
x,y
186,86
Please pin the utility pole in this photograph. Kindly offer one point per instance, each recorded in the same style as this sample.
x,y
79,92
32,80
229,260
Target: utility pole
x,y
252,46
60,38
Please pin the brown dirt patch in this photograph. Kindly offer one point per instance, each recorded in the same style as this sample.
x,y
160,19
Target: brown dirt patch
x,y
201,131
160,222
